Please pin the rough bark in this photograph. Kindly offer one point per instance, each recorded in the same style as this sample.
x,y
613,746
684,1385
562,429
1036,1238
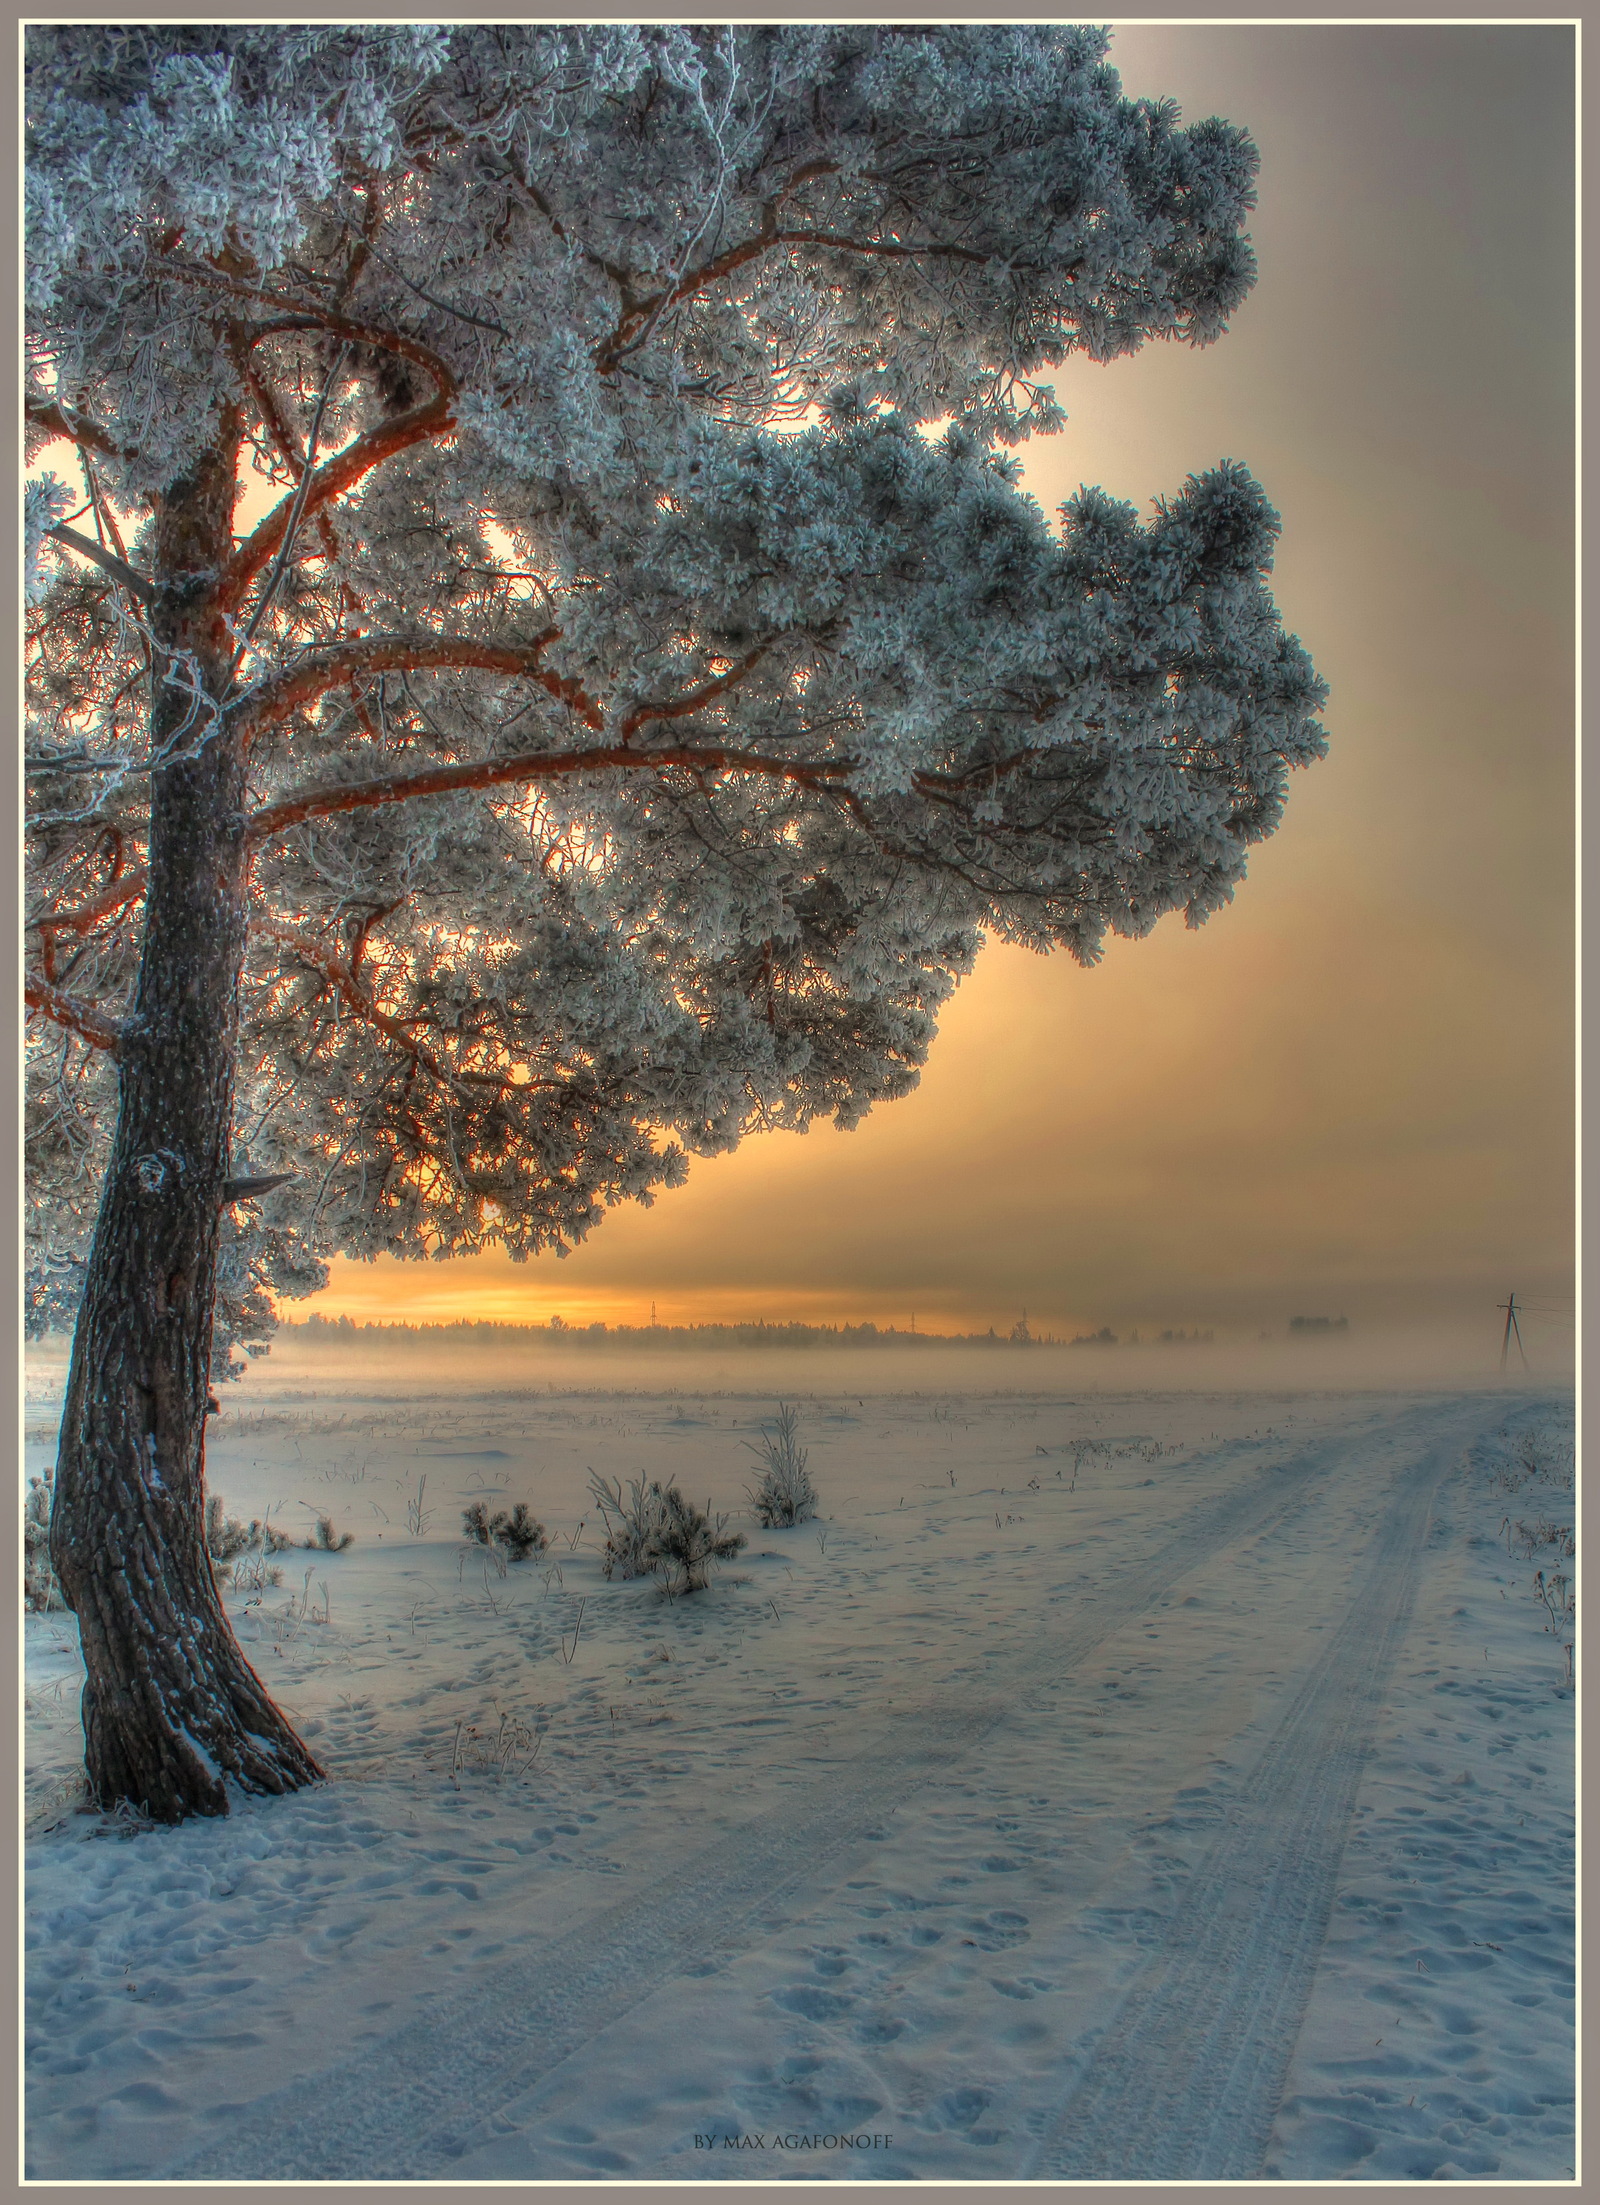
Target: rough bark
x,y
171,1708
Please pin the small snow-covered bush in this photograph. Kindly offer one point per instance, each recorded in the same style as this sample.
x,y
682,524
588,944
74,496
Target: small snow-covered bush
x,y
253,1573
239,1551
225,1535
631,1523
1543,1459
1537,1454
40,1590
519,1534
325,1540
515,1536
784,1493
654,1532
1546,1455
685,1543
1544,1531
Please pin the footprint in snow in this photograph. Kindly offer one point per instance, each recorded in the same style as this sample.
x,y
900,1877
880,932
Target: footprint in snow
x,y
960,2108
831,1963
812,2002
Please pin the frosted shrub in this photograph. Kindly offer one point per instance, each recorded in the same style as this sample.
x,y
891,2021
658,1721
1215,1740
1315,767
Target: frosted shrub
x,y
40,1591
631,1523
253,1573
785,1493
1536,1454
1558,1598
239,1551
225,1535
1544,1531
269,1538
1543,1455
520,1535
654,1532
325,1540
686,1541
515,1536
1543,1459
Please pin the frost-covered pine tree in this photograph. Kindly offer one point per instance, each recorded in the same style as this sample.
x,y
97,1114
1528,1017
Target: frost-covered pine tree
x,y
646,689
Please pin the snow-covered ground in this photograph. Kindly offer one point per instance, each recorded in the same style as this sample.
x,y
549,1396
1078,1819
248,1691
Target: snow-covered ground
x,y
1145,1785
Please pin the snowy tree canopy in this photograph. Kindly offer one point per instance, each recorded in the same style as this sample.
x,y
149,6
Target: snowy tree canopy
x,y
652,682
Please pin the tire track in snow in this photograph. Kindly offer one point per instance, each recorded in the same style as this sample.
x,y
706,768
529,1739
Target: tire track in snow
x,y
1185,2083
414,2102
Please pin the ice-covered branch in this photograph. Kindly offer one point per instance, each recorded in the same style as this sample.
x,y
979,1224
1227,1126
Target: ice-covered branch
x,y
642,315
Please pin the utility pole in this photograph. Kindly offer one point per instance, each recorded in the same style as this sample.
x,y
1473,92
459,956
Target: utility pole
x,y
1509,1305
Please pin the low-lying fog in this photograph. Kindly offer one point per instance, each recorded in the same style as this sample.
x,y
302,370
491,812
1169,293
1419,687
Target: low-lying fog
x,y
306,1359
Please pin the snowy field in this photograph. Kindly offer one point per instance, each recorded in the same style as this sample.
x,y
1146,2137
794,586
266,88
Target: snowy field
x,y
1159,1784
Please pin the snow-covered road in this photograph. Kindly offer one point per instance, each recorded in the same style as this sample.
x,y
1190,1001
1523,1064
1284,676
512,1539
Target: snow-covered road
x,y
1186,2080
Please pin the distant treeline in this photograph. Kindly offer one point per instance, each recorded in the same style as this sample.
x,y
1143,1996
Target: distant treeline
x,y
758,1334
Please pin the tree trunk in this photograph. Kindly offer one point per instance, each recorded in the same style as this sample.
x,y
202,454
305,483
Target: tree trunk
x,y
171,1708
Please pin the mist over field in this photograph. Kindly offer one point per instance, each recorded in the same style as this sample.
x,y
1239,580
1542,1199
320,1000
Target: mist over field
x,y
407,1360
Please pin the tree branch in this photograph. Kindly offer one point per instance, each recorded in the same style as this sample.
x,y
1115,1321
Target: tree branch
x,y
316,315
118,569
331,480
622,277
320,671
81,1019
648,311
105,520
459,313
282,436
680,707
59,422
253,1188
85,916
890,250
338,474
296,504
527,766
369,919
354,996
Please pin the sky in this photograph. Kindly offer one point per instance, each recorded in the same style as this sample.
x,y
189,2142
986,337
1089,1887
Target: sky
x,y
1350,1093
